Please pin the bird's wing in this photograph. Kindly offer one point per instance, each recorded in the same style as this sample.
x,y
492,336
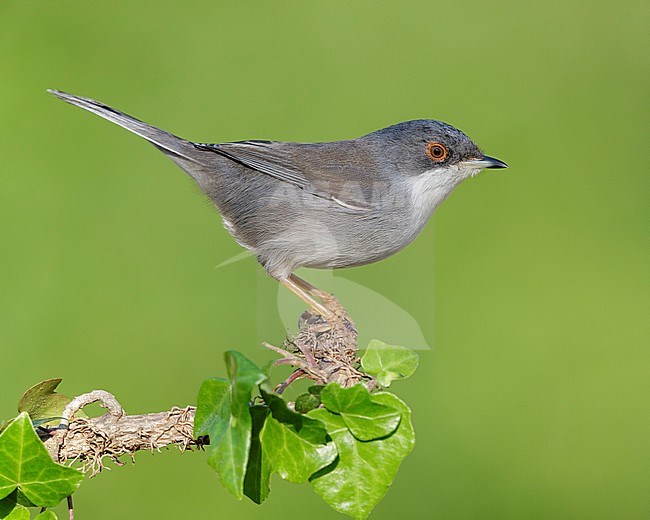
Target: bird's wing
x,y
279,161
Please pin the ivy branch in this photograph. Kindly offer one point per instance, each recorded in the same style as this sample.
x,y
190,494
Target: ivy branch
x,y
346,435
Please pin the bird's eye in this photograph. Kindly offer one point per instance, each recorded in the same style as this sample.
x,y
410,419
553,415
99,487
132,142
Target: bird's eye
x,y
437,152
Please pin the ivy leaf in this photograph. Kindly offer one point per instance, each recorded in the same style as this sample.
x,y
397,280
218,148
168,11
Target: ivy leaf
x,y
306,402
17,497
360,477
365,418
18,512
25,464
389,362
309,400
10,509
41,401
258,473
316,390
223,414
294,445
46,515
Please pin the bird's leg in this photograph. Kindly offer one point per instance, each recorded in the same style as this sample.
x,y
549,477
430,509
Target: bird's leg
x,y
329,301
299,290
312,289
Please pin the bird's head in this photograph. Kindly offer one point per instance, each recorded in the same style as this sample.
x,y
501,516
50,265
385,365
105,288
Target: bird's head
x,y
426,146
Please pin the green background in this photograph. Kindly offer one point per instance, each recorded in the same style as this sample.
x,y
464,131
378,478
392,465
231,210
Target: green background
x,y
531,285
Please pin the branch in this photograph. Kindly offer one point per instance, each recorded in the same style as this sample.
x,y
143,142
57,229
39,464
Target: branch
x,y
322,351
115,433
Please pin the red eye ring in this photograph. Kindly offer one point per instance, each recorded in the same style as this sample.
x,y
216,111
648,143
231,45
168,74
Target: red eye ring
x,y
437,152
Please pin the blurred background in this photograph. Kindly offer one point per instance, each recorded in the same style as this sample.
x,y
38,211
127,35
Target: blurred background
x,y
530,286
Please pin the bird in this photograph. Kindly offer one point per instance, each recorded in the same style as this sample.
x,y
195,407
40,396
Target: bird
x,y
321,205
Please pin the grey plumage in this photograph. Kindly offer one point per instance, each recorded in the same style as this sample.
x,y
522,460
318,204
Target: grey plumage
x,y
337,204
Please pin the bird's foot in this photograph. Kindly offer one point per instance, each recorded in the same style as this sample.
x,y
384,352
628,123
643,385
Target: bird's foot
x,y
339,314
321,302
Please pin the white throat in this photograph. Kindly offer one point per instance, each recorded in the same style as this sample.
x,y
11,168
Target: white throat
x,y
431,188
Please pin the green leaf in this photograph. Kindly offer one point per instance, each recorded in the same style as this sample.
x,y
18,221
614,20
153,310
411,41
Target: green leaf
x,y
310,400
25,464
364,471
10,509
316,390
19,498
17,513
213,409
306,402
388,362
46,515
223,414
258,473
294,445
15,502
42,402
365,418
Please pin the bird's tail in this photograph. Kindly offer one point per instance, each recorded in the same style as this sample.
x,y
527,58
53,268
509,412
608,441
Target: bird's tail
x,y
178,149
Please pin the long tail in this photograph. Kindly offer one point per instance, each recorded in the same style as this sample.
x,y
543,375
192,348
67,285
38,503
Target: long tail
x,y
171,145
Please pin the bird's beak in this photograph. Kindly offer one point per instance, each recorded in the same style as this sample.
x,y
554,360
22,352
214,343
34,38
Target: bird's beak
x,y
486,162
